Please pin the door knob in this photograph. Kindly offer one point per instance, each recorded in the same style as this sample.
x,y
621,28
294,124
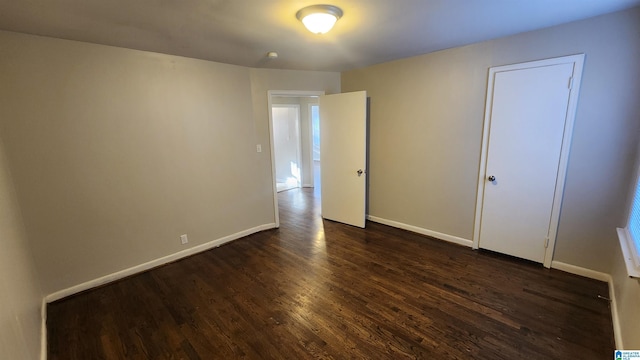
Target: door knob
x,y
491,178
359,172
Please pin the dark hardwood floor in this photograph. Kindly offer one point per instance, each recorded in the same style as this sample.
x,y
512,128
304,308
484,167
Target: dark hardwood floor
x,y
316,289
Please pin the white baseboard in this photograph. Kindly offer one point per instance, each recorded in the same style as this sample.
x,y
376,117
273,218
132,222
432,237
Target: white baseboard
x,y
153,263
577,270
307,185
419,230
617,330
43,330
218,242
597,275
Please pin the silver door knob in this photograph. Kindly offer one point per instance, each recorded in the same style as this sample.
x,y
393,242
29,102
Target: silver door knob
x,y
359,172
491,178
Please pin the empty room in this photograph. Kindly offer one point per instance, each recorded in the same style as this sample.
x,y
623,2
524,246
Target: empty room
x,y
462,179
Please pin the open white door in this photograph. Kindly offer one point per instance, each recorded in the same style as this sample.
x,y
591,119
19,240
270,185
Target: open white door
x,y
343,147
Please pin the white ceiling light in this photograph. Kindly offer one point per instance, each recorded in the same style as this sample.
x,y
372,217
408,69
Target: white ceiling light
x,y
319,19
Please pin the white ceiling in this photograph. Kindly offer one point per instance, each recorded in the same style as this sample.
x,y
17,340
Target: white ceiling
x,y
243,31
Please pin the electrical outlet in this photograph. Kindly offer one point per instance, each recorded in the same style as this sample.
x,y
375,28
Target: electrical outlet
x,y
259,148
184,239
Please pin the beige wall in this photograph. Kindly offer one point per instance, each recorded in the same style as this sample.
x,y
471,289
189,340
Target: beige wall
x,y
426,121
20,295
115,153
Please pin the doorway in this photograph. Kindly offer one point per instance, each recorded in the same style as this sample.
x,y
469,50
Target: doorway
x,y
286,146
529,118
343,138
308,169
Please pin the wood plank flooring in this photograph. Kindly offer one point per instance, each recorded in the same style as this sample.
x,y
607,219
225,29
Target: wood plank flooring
x,y
316,289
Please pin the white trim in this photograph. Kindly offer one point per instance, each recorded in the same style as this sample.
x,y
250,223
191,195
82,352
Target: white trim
x,y
578,61
628,253
310,147
43,330
617,330
270,94
419,230
153,263
597,275
577,270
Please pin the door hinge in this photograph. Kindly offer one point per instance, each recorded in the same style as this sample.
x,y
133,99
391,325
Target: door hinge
x,y
546,242
570,82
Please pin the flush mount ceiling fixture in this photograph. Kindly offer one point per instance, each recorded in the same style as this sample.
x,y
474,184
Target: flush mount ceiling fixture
x,y
319,19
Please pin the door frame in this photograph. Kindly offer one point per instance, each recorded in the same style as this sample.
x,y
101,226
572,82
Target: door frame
x,y
574,83
312,180
270,103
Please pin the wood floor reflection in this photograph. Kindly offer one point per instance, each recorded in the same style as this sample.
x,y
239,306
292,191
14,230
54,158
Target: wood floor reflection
x,y
316,289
